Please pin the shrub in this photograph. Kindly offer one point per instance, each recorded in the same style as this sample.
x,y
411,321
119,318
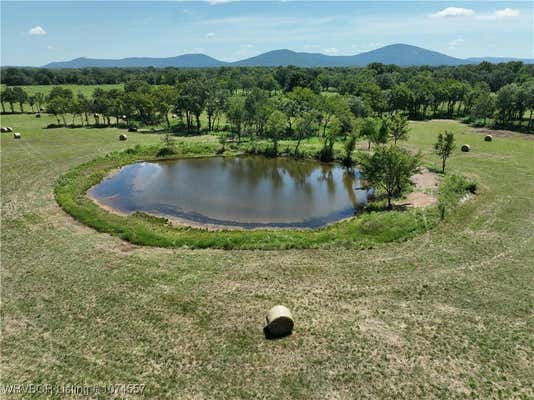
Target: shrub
x,y
451,191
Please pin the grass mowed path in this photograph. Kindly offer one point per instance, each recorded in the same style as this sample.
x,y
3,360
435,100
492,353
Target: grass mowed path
x,y
445,315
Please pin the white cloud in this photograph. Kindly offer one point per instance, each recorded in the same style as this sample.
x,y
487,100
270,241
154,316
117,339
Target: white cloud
x,y
501,14
210,35
331,50
453,12
214,2
453,44
195,50
246,50
375,45
37,30
507,13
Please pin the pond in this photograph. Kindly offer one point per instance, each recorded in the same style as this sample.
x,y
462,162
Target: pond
x,y
246,192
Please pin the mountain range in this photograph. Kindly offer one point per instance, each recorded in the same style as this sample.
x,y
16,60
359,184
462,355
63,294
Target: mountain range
x,y
399,54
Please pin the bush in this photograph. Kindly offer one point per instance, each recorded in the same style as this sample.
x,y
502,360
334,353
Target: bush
x,y
326,154
451,191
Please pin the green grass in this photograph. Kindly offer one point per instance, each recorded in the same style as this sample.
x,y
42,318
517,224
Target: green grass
x,y
447,314
363,231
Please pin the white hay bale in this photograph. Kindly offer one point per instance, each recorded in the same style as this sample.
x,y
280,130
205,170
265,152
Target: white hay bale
x,y
9,129
3,129
132,129
123,137
37,115
466,148
16,135
279,321
488,138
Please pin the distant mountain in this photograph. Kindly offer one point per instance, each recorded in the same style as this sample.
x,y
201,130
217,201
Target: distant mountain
x,y
406,55
399,54
183,61
497,60
287,57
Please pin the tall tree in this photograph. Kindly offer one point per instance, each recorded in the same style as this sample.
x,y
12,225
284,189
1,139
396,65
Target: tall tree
x,y
275,127
444,147
398,127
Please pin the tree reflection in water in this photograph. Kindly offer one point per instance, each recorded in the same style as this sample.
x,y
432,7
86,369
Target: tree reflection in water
x,y
241,191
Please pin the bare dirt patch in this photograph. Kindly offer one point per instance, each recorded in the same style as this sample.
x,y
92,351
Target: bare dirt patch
x,y
426,185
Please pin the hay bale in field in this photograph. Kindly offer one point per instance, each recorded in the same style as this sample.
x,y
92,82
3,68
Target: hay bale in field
x,y
37,115
279,322
3,129
132,129
466,148
488,138
9,129
123,137
16,135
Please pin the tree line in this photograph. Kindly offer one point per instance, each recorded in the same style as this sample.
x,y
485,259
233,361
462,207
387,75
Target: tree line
x,y
248,100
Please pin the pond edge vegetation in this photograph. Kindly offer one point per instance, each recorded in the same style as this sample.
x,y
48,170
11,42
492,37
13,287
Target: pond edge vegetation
x,y
372,227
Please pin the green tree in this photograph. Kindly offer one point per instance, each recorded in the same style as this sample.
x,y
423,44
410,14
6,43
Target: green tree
x,y
31,102
306,125
359,108
60,103
483,106
398,127
369,130
389,169
39,100
9,96
21,97
348,147
235,112
275,127
444,147
327,151
165,99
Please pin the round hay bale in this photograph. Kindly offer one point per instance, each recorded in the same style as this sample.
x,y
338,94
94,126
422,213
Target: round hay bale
x,y
124,117
37,115
132,129
279,321
9,129
466,148
488,138
123,137
3,129
16,135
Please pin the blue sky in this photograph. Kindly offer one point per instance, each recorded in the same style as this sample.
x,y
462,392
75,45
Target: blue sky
x,y
35,33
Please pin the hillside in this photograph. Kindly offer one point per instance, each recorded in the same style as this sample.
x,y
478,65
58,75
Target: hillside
x,y
398,54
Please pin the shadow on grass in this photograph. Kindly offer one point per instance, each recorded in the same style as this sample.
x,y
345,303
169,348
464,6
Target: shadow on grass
x,y
269,336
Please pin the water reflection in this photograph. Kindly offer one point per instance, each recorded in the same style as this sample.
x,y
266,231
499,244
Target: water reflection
x,y
242,191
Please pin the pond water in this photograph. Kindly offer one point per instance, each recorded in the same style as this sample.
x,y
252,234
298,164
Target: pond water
x,y
247,192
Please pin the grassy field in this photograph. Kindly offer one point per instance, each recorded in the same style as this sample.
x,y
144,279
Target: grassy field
x,y
366,230
447,314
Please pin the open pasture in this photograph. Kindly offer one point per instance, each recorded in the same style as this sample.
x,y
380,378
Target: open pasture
x,y
447,314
